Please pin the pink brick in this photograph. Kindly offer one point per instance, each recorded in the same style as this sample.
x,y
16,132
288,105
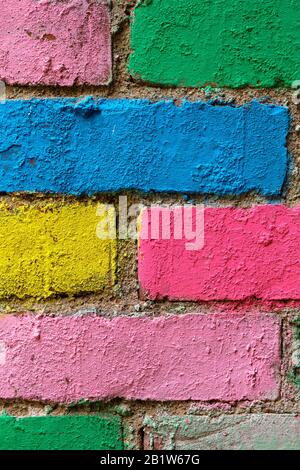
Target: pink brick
x,y
247,253
201,357
55,43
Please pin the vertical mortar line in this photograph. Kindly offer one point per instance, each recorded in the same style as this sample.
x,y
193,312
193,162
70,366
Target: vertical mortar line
x,y
295,352
141,438
287,184
282,333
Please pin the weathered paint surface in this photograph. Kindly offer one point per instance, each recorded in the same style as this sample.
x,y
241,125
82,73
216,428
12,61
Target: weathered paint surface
x,y
247,253
224,42
55,43
109,145
235,432
72,432
53,248
201,357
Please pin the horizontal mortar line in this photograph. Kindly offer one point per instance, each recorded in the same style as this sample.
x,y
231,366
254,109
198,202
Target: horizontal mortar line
x,y
141,91
147,198
183,407
153,310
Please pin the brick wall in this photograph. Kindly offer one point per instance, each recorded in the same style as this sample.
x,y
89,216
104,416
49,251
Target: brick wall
x,y
149,225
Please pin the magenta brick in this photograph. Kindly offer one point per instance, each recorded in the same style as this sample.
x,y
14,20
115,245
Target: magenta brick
x,y
247,253
222,357
55,43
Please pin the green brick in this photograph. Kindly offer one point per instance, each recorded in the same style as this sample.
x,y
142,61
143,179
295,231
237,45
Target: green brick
x,y
60,433
222,42
227,432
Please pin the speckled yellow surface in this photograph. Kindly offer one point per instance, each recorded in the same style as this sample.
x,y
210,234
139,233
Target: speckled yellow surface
x,y
53,249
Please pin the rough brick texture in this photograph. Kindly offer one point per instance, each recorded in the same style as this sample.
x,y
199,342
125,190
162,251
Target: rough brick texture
x,y
109,145
247,253
221,42
88,322
60,433
199,357
237,432
53,248
55,43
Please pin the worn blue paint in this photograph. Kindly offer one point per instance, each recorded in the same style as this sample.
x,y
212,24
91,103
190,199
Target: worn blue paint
x,y
76,147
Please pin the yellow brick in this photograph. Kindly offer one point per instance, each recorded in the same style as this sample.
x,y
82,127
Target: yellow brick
x,y
52,248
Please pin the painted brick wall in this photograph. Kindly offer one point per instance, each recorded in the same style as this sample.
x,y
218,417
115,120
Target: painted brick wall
x,y
159,335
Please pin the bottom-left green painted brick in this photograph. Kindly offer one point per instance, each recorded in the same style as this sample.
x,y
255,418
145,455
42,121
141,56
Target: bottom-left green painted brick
x,y
71,432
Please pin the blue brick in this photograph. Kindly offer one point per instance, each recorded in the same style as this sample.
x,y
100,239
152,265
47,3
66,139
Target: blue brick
x,y
85,147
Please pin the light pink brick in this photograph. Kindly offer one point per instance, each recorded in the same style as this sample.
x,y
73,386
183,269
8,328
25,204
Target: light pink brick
x,y
223,357
247,253
51,42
